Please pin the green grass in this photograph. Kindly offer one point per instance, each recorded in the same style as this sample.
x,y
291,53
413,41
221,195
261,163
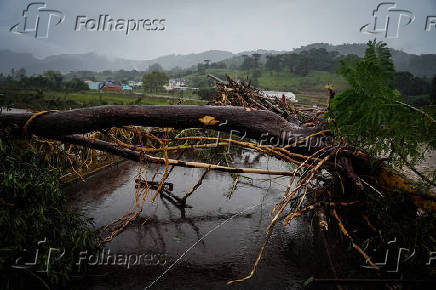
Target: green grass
x,y
287,81
185,94
93,98
53,100
312,98
280,80
309,90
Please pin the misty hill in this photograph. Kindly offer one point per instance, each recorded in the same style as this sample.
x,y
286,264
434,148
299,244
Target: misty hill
x,y
187,60
95,62
419,65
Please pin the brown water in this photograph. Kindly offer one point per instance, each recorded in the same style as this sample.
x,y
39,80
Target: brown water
x,y
234,229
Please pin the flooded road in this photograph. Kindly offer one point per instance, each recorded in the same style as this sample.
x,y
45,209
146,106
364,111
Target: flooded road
x,y
217,241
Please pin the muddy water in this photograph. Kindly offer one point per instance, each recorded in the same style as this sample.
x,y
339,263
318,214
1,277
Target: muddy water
x,y
222,234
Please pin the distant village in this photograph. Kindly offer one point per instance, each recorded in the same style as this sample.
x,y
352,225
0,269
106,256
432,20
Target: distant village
x,y
173,84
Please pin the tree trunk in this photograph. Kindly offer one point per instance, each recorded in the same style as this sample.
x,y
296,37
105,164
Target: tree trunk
x,y
250,123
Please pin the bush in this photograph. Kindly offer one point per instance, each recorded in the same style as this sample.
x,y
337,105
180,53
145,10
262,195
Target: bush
x,y
34,208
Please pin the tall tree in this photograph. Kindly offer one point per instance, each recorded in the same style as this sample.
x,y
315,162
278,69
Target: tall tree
x,y
76,85
256,57
302,67
153,81
54,79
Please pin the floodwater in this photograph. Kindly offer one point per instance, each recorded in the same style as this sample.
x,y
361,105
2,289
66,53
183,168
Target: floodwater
x,y
218,239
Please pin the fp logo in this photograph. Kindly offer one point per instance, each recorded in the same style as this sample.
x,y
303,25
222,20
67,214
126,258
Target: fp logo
x,y
37,20
387,20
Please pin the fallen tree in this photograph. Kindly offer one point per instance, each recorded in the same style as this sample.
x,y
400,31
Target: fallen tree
x,y
329,174
302,148
255,123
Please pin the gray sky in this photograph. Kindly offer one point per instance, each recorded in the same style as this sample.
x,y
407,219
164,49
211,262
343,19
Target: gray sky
x,y
198,25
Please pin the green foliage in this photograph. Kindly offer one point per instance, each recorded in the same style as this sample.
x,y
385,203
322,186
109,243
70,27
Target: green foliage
x,y
206,93
54,79
76,85
154,80
50,80
33,208
315,59
370,114
409,85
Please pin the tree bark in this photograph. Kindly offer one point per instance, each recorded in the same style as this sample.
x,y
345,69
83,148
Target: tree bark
x,y
255,123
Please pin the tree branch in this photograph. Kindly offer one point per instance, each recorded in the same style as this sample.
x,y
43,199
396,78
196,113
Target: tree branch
x,y
138,156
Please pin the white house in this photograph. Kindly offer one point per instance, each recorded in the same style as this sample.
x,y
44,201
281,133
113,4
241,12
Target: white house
x,y
175,84
289,96
134,84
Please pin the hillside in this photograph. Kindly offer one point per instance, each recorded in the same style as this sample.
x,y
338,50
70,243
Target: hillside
x,y
95,62
419,65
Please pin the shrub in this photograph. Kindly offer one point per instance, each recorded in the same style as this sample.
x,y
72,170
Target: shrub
x,y
34,208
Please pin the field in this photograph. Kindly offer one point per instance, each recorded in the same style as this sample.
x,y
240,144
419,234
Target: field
x,y
309,90
278,81
28,99
93,97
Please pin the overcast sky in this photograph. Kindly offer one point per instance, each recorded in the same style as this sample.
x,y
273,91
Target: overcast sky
x,y
193,26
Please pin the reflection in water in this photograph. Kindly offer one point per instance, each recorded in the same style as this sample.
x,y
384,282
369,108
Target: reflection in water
x,y
226,253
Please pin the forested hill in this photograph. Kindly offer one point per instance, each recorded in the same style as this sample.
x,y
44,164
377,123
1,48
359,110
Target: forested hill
x,y
419,65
